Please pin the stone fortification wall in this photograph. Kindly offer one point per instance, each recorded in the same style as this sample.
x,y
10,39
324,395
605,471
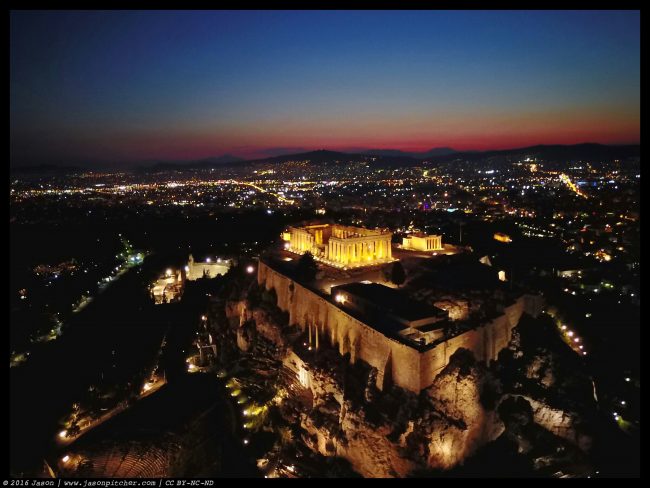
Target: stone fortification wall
x,y
397,363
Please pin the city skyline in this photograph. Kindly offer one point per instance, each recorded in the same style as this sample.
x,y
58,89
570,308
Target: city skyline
x,y
121,87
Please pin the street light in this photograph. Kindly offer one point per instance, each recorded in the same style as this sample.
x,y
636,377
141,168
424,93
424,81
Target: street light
x,y
250,269
62,434
65,458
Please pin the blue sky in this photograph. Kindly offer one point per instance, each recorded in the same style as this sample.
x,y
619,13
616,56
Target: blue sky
x,y
130,85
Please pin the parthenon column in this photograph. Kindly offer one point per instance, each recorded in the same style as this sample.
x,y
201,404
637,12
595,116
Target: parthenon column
x,y
389,252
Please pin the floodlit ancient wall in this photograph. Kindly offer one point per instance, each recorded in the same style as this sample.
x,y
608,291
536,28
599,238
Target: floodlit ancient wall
x,y
196,271
340,329
485,341
396,362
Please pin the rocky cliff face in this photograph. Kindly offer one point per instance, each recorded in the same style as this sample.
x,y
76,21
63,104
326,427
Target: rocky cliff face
x,y
460,415
241,312
552,378
394,433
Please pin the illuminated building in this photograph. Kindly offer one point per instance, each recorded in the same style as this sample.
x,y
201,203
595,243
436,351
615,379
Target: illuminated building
x,y
422,242
343,246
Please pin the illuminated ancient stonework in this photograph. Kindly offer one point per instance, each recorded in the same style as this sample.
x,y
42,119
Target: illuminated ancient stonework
x,y
342,246
422,242
408,345
208,269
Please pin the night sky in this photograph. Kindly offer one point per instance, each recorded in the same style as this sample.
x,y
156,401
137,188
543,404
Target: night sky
x,y
118,87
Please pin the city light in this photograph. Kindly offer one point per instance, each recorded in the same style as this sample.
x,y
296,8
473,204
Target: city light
x,y
370,223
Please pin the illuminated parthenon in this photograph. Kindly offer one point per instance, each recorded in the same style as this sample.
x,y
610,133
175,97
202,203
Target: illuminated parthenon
x,y
340,245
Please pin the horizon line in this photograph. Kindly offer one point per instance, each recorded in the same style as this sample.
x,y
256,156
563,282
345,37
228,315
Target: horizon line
x,y
298,150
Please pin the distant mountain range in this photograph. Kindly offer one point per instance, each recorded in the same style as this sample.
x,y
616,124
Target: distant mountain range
x,y
395,157
437,151
324,156
320,156
212,162
380,157
555,152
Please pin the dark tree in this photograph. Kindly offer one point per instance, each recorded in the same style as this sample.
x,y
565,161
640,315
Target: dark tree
x,y
398,275
270,297
306,268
